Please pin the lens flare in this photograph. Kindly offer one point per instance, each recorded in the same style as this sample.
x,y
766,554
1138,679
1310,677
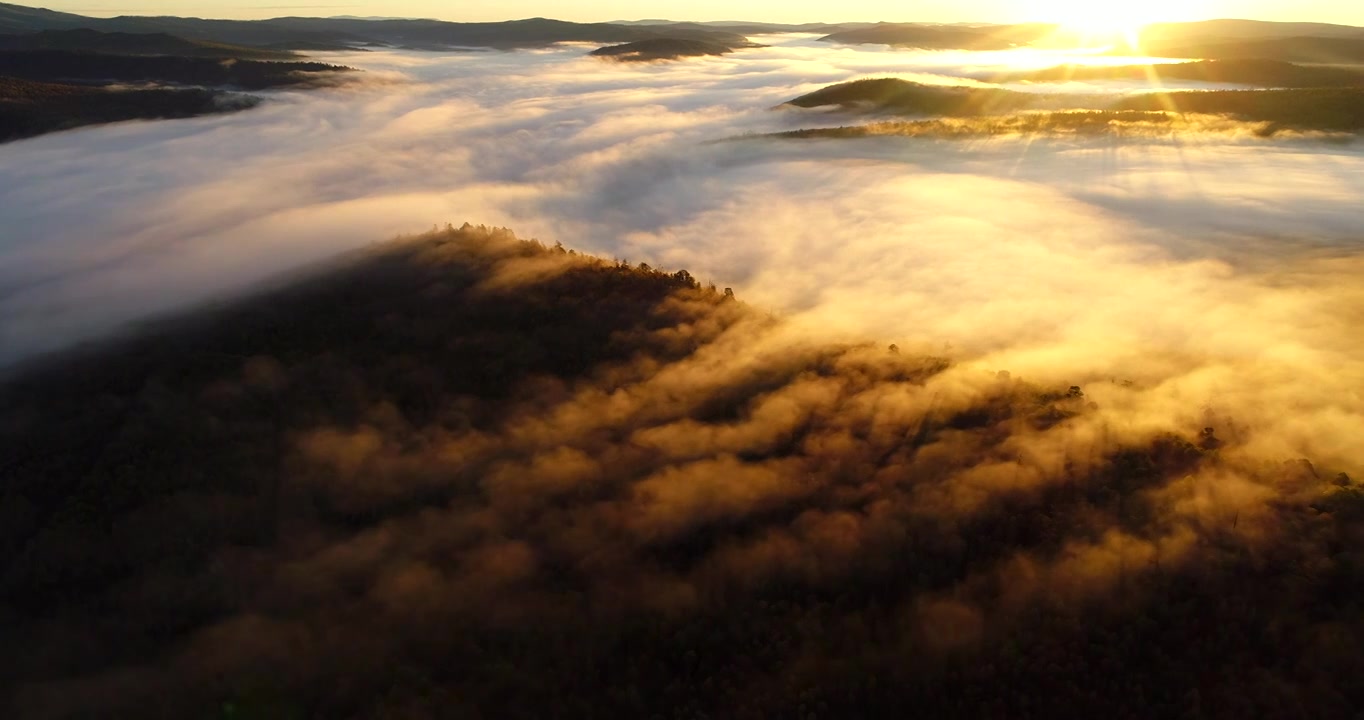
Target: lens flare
x,y
1103,24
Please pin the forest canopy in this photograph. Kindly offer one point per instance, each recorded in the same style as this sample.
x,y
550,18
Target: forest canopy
x,y
466,475
1326,109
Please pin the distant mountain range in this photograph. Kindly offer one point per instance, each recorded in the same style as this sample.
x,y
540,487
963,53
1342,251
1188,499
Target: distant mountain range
x,y
342,32
749,27
1256,40
1243,30
945,37
1214,39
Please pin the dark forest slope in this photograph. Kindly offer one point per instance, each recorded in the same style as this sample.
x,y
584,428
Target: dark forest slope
x,y
28,109
58,66
464,476
1330,109
1327,109
661,49
117,43
24,19
892,95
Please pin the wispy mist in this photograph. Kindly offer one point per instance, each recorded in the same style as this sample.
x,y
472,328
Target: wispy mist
x,y
462,472
1211,267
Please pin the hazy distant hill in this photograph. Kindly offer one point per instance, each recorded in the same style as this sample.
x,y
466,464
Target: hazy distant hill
x,y
1326,109
22,19
1325,50
29,108
1264,73
301,32
304,46
118,43
663,49
751,28
943,37
891,95
1189,32
342,32
1217,39
1338,109
532,32
46,52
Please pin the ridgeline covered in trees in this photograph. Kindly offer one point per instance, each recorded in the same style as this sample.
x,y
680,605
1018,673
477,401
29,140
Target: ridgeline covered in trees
x,y
657,49
468,476
28,109
65,65
1323,109
58,80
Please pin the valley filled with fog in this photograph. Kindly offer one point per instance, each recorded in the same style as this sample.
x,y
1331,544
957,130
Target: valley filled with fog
x,y
979,421
1069,259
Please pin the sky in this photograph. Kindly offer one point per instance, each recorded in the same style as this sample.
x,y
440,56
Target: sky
x,y
1337,11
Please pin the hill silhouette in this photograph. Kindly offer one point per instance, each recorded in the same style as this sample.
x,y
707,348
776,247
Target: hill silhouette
x,y
1242,29
1264,73
29,109
1321,50
1339,109
116,43
1328,109
1126,123
37,94
60,65
464,475
944,37
1213,40
1220,39
292,33
901,96
23,19
663,49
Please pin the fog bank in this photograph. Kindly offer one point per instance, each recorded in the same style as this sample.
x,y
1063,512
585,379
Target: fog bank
x,y
1212,268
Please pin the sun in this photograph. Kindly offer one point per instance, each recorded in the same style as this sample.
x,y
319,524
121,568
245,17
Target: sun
x,y
1112,23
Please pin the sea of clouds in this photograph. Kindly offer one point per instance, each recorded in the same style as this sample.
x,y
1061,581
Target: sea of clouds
x,y
1213,272
1202,279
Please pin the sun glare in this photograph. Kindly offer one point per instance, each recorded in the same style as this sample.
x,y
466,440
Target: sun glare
x,y
1110,23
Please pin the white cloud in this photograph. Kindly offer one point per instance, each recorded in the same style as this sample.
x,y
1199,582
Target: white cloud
x,y
1217,270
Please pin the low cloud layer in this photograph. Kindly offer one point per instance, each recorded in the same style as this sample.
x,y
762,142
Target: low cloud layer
x,y
443,477
1074,259
1182,283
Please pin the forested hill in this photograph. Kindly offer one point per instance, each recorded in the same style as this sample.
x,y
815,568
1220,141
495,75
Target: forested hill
x,y
118,43
662,49
1320,109
60,65
464,475
302,32
29,109
1256,73
61,79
